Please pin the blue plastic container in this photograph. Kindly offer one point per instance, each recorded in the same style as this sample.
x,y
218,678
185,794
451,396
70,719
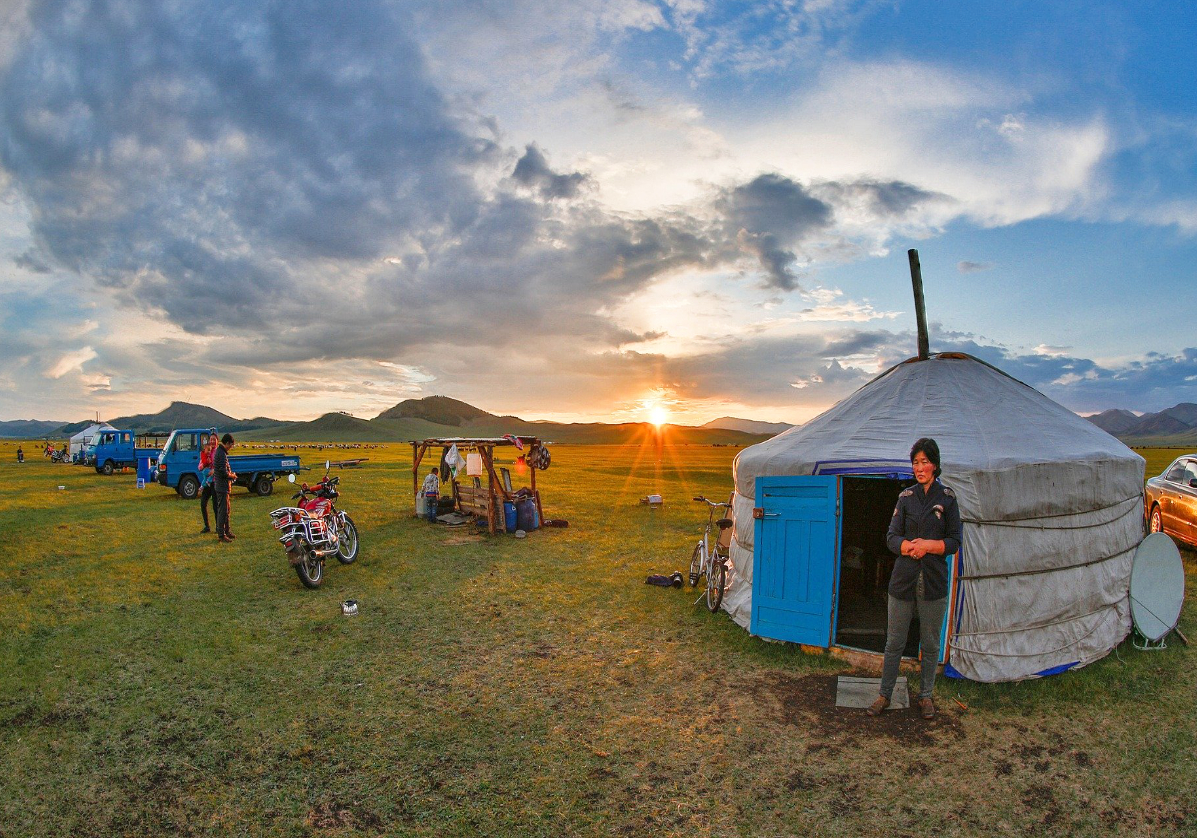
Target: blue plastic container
x,y
145,469
526,516
509,516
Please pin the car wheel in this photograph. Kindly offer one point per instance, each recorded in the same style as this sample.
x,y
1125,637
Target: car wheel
x,y
1156,524
189,487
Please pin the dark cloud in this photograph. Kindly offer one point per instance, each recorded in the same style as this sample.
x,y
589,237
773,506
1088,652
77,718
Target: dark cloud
x,y
30,261
973,267
533,170
771,216
883,200
229,146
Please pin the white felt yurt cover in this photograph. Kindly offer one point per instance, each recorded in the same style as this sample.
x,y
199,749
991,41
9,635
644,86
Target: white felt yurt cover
x,y
1052,508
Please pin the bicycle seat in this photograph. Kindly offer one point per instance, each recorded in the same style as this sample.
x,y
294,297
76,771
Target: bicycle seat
x,y
723,523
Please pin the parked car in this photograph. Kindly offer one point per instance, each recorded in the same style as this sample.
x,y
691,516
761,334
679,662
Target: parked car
x,y
1170,501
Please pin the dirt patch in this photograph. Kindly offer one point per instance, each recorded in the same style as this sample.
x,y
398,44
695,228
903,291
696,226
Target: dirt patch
x,y
458,539
333,814
809,702
73,717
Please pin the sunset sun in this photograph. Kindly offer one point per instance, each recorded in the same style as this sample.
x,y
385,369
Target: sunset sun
x,y
658,415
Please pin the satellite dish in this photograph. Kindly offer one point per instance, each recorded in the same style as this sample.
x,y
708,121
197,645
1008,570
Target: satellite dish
x,y
1157,587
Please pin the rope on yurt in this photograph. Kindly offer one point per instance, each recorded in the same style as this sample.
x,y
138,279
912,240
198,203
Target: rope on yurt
x,y
1049,569
1014,522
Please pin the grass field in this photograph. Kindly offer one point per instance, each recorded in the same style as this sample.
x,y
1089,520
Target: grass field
x,y
155,682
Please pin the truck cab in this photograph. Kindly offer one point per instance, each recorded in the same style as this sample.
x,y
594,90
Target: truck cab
x,y
113,449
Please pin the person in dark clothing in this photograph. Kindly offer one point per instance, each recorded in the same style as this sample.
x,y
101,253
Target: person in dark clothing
x,y
923,532
222,485
20,454
205,474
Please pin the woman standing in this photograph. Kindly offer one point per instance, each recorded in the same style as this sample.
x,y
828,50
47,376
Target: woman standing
x,y
205,476
924,531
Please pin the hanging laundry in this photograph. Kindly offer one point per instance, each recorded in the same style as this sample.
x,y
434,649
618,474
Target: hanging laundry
x,y
453,461
474,464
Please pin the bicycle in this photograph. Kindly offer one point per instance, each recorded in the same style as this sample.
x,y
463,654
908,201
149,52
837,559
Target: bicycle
x,y
710,560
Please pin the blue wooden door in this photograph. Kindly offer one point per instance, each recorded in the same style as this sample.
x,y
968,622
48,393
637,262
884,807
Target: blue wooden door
x,y
794,565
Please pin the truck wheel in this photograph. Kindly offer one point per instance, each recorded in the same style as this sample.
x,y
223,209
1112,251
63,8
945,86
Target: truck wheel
x,y
189,487
263,486
108,468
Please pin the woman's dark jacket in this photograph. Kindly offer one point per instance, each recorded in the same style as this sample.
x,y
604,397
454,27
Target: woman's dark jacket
x,y
933,515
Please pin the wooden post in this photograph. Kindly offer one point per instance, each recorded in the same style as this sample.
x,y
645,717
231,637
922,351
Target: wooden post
x,y
536,494
417,454
488,460
920,310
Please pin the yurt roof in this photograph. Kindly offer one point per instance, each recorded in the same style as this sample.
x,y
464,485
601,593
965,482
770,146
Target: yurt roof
x,y
985,422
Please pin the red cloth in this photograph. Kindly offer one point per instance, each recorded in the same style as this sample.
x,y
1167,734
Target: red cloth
x,y
206,458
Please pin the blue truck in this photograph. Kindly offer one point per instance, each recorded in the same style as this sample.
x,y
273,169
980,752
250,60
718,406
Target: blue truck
x,y
112,450
178,464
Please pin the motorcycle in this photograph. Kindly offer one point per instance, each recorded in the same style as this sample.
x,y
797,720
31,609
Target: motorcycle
x,y
315,529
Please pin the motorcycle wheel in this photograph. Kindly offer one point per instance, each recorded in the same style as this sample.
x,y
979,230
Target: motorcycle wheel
x,y
310,571
347,540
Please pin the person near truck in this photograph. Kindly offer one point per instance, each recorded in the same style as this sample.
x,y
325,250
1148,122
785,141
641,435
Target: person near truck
x,y
431,489
923,532
207,493
222,486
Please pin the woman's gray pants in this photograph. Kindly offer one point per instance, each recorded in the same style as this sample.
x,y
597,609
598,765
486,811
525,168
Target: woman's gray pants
x,y
901,612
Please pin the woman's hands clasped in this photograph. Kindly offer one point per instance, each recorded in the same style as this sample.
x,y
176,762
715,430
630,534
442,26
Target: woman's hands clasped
x,y
916,548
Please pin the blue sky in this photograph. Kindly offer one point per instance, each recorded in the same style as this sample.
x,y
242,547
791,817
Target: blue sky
x,y
582,210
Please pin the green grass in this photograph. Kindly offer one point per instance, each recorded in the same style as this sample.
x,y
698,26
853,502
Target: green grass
x,y
154,682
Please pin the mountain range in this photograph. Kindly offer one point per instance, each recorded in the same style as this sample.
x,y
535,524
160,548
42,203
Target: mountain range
x,y
1176,426
433,416
441,416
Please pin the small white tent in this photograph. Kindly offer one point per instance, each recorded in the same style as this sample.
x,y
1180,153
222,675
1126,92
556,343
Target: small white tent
x,y
83,438
1052,509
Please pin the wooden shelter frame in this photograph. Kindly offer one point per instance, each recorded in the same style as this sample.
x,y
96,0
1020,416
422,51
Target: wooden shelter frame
x,y
496,492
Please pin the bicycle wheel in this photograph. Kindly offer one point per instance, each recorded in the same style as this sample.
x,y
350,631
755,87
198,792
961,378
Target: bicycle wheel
x,y
716,582
696,564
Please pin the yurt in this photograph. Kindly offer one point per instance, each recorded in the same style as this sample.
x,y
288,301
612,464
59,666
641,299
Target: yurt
x,y
83,438
1052,508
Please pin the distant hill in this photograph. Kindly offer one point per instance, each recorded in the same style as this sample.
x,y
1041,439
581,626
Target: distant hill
x,y
1174,426
748,426
331,427
187,415
1185,412
440,410
1114,421
29,429
1156,424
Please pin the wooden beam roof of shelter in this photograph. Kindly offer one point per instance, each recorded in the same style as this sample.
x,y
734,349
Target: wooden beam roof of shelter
x,y
476,440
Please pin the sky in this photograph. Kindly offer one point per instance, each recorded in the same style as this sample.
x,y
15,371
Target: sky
x,y
588,211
